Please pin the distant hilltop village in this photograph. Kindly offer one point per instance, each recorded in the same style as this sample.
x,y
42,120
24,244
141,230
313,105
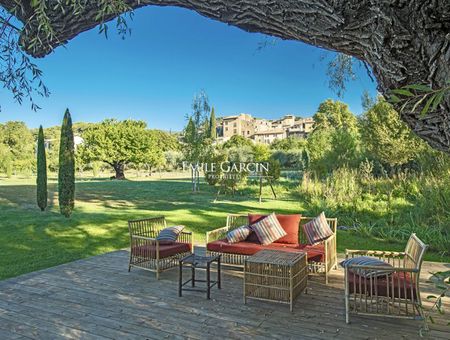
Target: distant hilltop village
x,y
263,130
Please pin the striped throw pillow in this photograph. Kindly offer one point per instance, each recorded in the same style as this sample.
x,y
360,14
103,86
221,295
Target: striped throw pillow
x,y
317,230
268,229
366,261
238,234
170,234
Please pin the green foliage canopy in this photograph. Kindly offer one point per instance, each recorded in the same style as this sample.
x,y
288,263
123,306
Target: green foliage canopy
x,y
334,115
335,140
237,141
289,143
261,152
18,146
119,143
387,137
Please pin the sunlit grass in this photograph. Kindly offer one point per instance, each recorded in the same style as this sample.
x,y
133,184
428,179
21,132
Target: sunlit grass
x,y
31,240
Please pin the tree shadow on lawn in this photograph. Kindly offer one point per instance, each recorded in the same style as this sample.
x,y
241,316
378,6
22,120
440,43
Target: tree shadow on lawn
x,y
173,198
40,240
24,196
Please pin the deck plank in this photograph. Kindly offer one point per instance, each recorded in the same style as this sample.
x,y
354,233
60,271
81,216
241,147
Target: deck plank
x,y
96,298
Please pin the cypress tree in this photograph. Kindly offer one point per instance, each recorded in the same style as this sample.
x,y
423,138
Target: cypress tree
x,y
66,174
212,125
41,180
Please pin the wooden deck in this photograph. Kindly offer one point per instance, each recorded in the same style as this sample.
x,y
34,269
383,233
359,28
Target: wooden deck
x,y
97,298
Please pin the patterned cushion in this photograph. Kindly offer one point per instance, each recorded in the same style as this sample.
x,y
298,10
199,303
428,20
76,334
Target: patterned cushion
x,y
366,261
268,229
238,234
317,230
289,223
170,234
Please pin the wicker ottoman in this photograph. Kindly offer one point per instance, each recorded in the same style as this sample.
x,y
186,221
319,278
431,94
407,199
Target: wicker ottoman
x,y
274,275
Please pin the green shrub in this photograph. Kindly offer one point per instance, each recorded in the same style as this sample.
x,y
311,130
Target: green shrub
x,y
291,159
274,171
390,208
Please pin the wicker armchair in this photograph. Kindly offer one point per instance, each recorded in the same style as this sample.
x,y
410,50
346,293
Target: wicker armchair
x,y
146,252
395,292
328,247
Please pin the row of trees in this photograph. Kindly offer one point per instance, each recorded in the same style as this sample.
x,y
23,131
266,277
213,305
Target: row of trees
x,y
378,137
117,144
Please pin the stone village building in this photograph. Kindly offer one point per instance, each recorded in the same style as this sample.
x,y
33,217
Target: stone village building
x,y
263,130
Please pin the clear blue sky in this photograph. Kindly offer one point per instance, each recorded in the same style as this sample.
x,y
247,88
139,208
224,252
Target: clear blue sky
x,y
172,54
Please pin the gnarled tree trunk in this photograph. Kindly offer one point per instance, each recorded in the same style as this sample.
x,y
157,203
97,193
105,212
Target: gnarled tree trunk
x,y
404,41
119,168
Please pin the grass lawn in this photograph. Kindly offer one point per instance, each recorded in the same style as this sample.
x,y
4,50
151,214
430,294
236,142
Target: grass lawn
x,y
31,240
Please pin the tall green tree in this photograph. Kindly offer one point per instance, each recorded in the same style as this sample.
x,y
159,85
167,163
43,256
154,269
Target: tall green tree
x,y
41,180
119,143
387,137
333,114
197,136
212,125
319,146
66,174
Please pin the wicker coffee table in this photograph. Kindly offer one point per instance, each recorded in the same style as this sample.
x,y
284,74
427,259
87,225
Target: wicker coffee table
x,y
273,275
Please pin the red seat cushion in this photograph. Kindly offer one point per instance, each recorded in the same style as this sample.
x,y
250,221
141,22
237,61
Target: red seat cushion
x,y
290,224
165,250
380,286
314,253
241,248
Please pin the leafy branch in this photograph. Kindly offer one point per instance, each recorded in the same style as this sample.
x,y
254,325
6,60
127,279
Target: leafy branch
x,y
18,73
418,96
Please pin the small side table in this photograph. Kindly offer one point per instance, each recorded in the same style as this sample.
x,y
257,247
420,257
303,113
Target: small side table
x,y
199,262
275,275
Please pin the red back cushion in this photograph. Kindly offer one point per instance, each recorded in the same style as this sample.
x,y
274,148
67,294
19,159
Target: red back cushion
x,y
290,224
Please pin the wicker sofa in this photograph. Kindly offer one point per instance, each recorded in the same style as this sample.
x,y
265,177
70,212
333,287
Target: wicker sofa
x,y
321,257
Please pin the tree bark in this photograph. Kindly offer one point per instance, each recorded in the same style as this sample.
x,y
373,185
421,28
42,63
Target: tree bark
x,y
403,41
119,168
